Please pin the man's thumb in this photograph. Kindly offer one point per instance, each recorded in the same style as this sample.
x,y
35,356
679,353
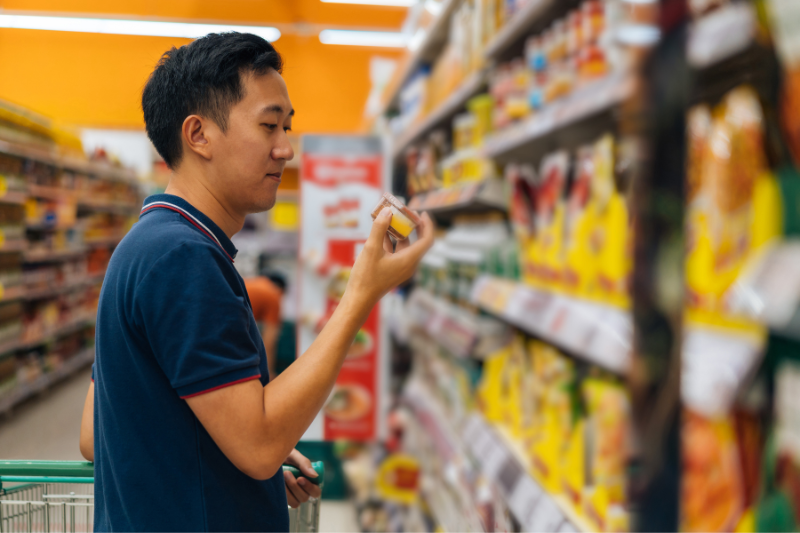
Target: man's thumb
x,y
380,226
306,468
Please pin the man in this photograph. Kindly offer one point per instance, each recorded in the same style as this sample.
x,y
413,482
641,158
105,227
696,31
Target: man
x,y
186,431
265,293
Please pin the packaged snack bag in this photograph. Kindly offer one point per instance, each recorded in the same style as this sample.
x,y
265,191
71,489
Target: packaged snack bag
x,y
608,407
577,226
712,493
522,215
735,203
545,260
609,240
556,374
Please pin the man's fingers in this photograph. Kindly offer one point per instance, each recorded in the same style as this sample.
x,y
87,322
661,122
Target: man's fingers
x,y
387,244
294,489
302,463
379,227
314,491
426,232
402,245
291,500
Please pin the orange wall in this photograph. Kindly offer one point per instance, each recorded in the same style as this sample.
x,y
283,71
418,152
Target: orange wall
x,y
96,80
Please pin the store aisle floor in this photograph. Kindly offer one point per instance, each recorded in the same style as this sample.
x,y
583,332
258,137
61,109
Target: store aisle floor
x,y
48,427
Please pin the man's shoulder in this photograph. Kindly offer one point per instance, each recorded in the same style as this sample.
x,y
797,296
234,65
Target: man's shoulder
x,y
159,239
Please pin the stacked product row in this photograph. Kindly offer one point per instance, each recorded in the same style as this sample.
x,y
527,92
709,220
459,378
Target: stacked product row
x,y
60,220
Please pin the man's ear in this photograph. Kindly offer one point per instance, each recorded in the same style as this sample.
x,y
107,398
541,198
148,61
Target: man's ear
x,y
195,133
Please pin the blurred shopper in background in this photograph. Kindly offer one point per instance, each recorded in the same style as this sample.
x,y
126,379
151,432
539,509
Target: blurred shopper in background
x,y
265,293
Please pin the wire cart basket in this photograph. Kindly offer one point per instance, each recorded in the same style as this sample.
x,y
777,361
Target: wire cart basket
x,y
59,496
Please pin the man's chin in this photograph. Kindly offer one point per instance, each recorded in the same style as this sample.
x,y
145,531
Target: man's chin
x,y
263,204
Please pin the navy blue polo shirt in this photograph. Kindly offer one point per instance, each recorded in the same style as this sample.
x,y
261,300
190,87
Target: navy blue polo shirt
x,y
174,321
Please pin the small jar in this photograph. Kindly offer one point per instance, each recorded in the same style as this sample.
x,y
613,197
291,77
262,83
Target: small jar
x,y
404,220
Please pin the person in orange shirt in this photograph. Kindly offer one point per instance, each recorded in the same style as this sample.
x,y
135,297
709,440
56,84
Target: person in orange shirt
x,y
265,293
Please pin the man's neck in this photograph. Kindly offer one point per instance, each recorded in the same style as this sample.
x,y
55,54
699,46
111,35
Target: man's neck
x,y
196,192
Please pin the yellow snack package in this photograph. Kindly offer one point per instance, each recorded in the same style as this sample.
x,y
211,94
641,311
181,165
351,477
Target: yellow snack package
x,y
578,227
609,250
545,256
734,204
492,388
609,411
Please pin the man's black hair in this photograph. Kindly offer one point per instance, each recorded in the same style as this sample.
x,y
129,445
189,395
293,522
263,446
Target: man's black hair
x,y
277,279
203,77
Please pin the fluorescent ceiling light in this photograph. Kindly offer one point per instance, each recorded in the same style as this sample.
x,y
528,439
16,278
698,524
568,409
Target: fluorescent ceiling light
x,y
130,27
364,38
394,3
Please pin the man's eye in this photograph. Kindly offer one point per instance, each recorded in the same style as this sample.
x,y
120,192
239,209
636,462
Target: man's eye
x,y
287,129
270,126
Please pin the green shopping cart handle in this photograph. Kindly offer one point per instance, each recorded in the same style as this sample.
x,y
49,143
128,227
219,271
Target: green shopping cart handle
x,y
82,469
60,469
319,468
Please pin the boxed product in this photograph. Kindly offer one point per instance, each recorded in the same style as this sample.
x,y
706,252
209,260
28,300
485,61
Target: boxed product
x,y
734,202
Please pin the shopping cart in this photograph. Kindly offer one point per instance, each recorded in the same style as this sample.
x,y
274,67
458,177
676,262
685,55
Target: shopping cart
x,y
59,496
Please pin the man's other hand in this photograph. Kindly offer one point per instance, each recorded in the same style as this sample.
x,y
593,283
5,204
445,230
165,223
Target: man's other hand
x,y
300,490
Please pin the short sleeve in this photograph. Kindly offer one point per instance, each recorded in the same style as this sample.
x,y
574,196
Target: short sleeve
x,y
197,324
92,372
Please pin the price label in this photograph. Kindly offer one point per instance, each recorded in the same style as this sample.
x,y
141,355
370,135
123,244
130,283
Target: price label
x,y
546,516
509,476
3,185
524,500
567,527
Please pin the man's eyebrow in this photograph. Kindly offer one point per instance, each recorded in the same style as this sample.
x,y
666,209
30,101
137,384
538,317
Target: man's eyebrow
x,y
275,108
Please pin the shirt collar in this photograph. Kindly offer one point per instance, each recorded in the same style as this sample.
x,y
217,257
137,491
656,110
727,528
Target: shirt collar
x,y
209,224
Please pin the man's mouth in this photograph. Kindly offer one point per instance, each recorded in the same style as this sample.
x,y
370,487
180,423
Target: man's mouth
x,y
275,175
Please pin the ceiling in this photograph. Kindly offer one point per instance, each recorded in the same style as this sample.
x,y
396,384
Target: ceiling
x,y
246,11
95,80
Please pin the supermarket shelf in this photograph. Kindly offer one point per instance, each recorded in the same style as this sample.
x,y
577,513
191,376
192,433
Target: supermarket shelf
x,y
451,453
49,157
584,103
24,391
596,333
47,256
486,195
65,329
64,287
113,240
426,52
448,325
12,293
454,103
504,461
717,362
45,226
106,206
50,193
516,28
13,197
13,245
721,35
